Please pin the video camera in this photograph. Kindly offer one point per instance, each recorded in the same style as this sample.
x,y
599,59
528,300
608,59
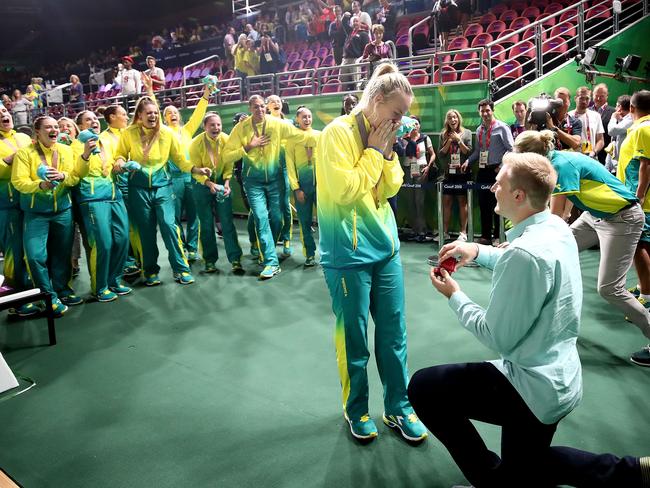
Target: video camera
x,y
539,106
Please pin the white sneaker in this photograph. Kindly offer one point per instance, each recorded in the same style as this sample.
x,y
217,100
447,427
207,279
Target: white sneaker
x,y
462,237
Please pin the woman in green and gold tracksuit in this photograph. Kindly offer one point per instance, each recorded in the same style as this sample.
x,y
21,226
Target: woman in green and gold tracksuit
x,y
257,140
11,216
301,171
144,149
117,120
357,172
43,173
182,182
212,195
105,221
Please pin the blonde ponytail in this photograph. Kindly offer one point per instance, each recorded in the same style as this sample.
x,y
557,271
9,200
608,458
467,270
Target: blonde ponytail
x,y
536,142
385,80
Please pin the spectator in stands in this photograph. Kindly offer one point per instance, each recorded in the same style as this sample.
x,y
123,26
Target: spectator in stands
x,y
327,16
454,149
21,108
33,96
251,59
519,111
356,41
239,56
537,380
567,128
128,78
157,43
196,35
633,171
77,97
228,44
420,158
445,17
591,137
376,49
270,56
6,101
611,217
387,16
251,33
494,139
302,27
156,74
619,123
337,35
599,104
364,17
292,19
349,102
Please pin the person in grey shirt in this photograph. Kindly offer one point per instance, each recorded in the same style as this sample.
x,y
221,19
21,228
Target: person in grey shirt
x,y
619,123
493,140
532,322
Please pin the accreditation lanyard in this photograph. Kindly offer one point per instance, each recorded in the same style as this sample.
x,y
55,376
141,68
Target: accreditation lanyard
x,y
483,150
363,133
213,155
147,144
310,153
259,134
454,155
586,145
10,145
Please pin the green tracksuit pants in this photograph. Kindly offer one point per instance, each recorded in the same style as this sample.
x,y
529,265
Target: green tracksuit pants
x,y
11,241
47,239
123,185
285,199
184,202
376,289
264,199
207,206
150,208
106,226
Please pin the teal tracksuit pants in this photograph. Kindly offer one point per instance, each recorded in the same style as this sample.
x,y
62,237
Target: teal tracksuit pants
x,y
47,239
184,202
150,208
306,210
285,199
123,185
106,226
375,289
264,199
11,242
207,206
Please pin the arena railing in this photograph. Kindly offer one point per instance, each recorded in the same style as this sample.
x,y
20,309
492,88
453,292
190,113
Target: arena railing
x,y
556,39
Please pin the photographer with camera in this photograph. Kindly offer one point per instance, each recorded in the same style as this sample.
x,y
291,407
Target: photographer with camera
x,y
494,139
567,129
592,135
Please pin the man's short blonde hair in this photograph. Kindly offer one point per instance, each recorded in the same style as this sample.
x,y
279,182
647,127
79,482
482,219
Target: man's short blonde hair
x,y
533,174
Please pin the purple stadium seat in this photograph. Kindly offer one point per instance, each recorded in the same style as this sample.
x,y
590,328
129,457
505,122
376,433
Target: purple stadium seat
x,y
332,86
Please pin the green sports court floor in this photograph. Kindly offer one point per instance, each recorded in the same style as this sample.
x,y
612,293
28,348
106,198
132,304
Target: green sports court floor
x,y
231,382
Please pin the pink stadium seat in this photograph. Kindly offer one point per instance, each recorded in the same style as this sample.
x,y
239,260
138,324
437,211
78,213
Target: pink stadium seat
x,y
552,8
328,61
508,16
508,38
418,77
555,46
332,86
571,14
313,63
499,8
546,20
472,31
600,11
482,40
531,13
541,4
465,57
292,57
497,53
509,70
487,19
297,65
531,34
449,74
457,43
523,51
519,23
290,90
322,53
566,30
496,27
473,72
307,55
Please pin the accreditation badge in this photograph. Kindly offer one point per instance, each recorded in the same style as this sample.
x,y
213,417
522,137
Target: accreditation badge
x,y
454,164
483,159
